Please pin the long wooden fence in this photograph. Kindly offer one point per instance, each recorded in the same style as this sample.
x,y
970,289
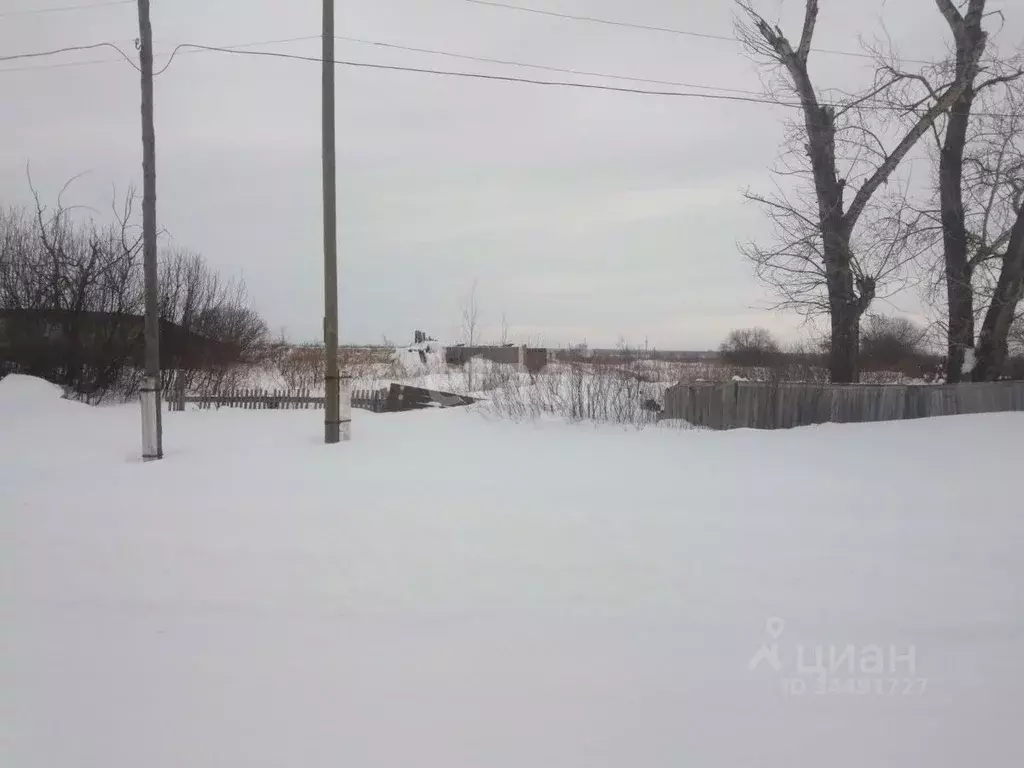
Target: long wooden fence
x,y
780,405
275,399
397,397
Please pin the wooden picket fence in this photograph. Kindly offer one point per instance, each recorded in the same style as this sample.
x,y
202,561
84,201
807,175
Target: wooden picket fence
x,y
275,399
370,399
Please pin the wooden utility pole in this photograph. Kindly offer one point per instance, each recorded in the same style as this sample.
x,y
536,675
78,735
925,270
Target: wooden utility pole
x,y
152,428
336,428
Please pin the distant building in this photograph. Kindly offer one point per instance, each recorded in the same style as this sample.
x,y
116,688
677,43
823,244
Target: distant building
x,y
532,358
41,339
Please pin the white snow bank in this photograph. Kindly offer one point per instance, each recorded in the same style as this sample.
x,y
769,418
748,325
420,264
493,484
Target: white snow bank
x,y
40,432
451,591
419,359
17,389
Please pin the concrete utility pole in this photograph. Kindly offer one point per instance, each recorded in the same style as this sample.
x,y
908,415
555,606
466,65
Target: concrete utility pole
x,y
337,423
152,429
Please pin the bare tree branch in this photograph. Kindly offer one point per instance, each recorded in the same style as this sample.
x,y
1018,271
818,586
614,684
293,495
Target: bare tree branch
x,y
810,18
947,9
885,170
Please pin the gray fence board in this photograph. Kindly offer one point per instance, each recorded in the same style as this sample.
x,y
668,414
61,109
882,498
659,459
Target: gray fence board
x,y
779,405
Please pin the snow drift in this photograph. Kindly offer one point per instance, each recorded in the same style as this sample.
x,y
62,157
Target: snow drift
x,y
452,591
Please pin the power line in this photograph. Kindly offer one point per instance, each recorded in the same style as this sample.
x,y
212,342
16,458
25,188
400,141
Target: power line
x,y
62,8
652,28
531,81
395,46
185,48
69,49
90,62
474,75
610,22
61,65
580,72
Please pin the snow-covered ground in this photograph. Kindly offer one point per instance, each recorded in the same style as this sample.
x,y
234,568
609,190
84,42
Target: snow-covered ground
x,y
454,590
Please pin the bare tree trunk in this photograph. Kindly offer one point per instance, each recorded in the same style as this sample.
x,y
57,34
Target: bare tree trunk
x,y
844,354
844,304
960,331
970,41
992,342
959,293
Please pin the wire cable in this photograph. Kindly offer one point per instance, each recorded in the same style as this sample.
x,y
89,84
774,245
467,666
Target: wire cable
x,y
186,48
89,62
578,72
553,83
61,8
741,96
610,22
652,28
69,49
527,80
471,75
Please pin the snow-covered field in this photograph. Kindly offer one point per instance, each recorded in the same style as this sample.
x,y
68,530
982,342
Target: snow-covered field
x,y
453,590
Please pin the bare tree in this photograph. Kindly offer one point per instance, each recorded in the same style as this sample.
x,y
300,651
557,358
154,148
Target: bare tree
x,y
999,242
470,329
750,347
891,343
470,317
196,298
979,193
844,145
87,279
979,159
63,269
970,40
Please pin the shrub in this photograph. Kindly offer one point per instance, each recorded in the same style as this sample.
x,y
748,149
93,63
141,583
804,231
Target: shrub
x,y
890,343
750,347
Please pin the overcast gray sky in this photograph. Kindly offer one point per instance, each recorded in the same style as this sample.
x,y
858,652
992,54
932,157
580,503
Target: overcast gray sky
x,y
578,214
